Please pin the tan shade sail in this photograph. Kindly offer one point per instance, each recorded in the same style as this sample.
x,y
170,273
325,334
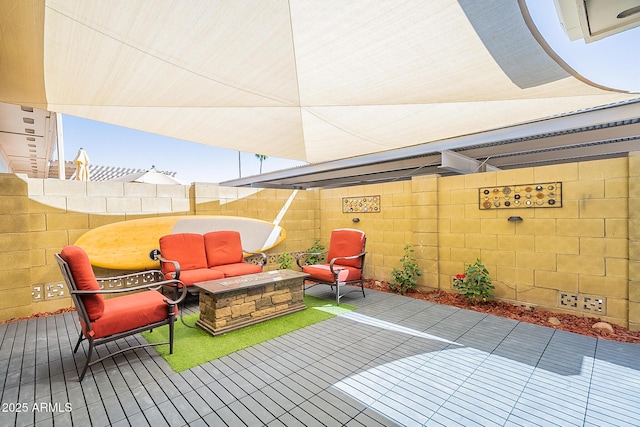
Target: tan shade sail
x,y
299,79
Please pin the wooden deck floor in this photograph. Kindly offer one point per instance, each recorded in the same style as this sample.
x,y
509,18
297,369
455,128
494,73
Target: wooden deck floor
x,y
393,361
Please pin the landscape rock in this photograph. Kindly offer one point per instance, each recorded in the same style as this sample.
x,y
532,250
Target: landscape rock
x,y
554,321
603,327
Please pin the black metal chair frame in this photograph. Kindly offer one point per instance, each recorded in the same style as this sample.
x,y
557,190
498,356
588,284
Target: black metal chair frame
x,y
76,295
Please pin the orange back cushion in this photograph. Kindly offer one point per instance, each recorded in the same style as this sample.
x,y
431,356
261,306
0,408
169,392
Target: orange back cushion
x,y
223,247
186,248
85,279
346,242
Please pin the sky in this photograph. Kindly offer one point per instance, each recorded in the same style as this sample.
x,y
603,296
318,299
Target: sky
x,y
109,145
612,62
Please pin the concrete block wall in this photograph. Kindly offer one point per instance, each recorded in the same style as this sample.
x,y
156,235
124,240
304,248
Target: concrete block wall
x,y
424,218
582,258
295,211
387,230
634,241
555,258
590,247
16,257
39,217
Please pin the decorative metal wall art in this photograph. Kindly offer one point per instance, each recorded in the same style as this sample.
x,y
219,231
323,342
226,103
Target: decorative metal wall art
x,y
542,195
366,204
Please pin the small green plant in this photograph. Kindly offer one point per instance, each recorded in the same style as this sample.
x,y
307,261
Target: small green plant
x,y
475,283
285,260
316,257
406,278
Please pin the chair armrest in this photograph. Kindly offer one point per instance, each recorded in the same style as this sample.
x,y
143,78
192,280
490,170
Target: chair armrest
x,y
305,255
262,254
149,285
178,284
157,256
333,260
153,285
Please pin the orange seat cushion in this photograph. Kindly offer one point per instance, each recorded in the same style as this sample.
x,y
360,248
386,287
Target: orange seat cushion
x,y
129,312
346,242
323,273
189,277
186,248
238,269
85,279
223,247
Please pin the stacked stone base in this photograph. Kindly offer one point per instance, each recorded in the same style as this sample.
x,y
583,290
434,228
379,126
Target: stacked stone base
x,y
224,312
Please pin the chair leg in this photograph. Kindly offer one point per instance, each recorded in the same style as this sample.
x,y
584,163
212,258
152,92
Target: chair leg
x,y
337,293
172,319
78,343
86,365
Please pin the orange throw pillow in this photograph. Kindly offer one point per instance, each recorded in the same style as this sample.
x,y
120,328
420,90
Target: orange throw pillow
x,y
186,248
223,247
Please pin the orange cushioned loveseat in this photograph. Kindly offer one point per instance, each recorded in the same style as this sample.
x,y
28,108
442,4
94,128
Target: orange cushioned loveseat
x,y
193,258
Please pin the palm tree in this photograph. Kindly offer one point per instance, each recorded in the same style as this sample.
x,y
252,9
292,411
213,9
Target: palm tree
x,y
262,158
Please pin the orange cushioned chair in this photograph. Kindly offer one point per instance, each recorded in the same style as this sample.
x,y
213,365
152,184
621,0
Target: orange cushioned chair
x,y
225,254
345,260
105,320
183,257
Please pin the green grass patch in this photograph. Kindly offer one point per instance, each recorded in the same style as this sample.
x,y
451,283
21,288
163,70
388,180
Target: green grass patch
x,y
193,347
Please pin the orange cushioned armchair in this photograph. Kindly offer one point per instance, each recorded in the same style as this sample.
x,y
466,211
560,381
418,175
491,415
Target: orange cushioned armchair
x,y
345,261
105,320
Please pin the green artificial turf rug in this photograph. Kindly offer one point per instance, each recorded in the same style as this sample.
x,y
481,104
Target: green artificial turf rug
x,y
193,346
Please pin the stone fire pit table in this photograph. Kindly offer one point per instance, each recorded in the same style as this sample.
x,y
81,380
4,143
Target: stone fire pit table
x,y
235,302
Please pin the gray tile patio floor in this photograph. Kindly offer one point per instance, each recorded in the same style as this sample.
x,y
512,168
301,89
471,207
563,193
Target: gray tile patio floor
x,y
393,361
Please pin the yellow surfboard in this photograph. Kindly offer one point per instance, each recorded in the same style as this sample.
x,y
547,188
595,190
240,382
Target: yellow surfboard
x,y
126,245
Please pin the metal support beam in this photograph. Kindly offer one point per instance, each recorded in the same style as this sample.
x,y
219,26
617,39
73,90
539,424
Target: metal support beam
x,y
62,170
455,162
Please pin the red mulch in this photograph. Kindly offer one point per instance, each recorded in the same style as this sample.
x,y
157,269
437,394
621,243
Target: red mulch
x,y
568,322
62,310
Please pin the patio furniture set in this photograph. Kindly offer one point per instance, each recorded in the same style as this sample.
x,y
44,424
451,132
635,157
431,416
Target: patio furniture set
x,y
232,293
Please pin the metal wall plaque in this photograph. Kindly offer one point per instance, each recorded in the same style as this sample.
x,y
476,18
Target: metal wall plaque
x,y
542,195
361,204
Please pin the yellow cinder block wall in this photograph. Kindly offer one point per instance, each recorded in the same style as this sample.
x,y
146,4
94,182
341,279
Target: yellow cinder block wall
x,y
589,247
580,249
296,211
40,217
633,227
16,258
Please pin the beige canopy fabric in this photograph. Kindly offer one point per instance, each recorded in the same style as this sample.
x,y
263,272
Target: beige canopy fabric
x,y
312,80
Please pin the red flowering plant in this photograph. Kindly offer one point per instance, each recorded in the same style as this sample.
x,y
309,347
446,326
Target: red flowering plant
x,y
458,280
475,283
